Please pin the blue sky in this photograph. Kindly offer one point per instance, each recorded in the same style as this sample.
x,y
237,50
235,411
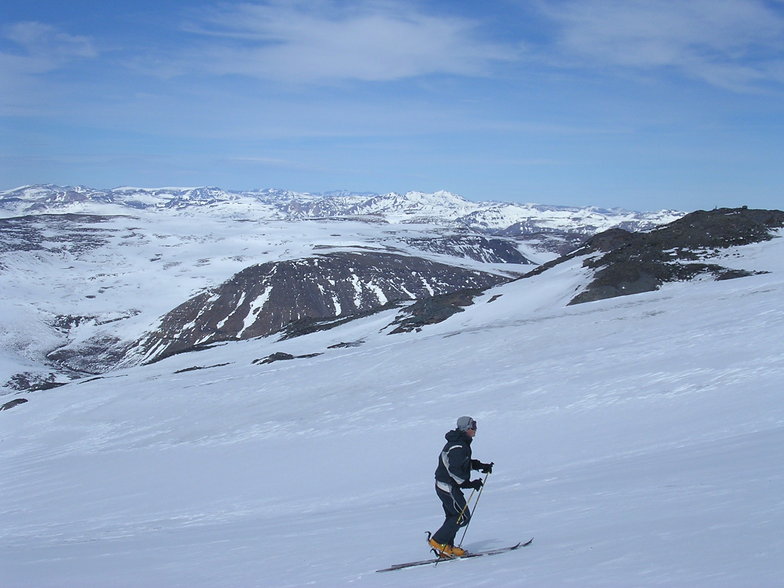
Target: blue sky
x,y
641,104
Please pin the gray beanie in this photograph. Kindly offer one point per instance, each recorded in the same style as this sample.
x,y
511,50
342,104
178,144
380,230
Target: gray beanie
x,y
465,422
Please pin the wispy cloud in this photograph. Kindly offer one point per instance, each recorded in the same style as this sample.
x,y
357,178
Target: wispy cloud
x,y
41,38
735,44
31,50
323,41
41,47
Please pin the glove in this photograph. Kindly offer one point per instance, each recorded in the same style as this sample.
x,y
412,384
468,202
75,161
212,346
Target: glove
x,y
485,468
475,484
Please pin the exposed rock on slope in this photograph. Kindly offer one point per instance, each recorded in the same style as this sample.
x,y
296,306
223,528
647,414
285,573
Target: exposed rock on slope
x,y
630,263
266,298
53,233
476,247
433,310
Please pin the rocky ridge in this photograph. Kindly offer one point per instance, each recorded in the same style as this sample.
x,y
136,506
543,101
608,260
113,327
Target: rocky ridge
x,y
265,299
625,263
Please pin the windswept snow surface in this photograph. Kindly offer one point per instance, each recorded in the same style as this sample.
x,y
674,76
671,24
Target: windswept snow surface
x,y
639,439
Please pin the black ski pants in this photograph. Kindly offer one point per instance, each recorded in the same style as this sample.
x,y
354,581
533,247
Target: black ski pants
x,y
456,512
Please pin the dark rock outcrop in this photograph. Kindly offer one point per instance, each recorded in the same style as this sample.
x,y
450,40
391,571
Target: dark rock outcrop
x,y
435,309
282,356
268,298
199,367
13,403
631,263
476,247
32,382
277,356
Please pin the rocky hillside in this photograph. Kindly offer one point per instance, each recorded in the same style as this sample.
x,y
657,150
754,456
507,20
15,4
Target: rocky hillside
x,y
265,299
626,263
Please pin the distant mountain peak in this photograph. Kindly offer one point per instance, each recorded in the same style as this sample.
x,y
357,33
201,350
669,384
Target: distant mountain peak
x,y
441,207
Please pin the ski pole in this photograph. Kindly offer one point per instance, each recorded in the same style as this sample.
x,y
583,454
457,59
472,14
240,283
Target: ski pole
x,y
466,507
476,504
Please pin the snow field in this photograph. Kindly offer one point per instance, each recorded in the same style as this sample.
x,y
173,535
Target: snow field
x,y
638,439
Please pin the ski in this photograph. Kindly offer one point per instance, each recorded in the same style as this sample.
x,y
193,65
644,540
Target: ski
x,y
437,560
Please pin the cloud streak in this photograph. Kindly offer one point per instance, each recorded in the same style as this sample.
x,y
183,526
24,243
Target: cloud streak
x,y
731,44
734,44
34,49
42,48
326,41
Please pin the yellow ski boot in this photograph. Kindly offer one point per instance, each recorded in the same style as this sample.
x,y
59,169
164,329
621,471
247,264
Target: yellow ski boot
x,y
446,551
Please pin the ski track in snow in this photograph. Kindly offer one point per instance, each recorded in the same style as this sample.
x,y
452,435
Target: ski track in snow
x,y
638,439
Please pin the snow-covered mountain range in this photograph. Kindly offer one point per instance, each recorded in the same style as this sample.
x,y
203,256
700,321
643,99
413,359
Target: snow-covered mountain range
x,y
441,208
628,392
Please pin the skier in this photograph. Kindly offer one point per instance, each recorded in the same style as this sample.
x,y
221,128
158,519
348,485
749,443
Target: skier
x,y
452,475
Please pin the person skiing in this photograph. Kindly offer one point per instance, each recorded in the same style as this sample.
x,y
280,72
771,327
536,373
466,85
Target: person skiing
x,y
453,474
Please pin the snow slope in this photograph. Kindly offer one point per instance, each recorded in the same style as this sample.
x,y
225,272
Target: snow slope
x,y
639,439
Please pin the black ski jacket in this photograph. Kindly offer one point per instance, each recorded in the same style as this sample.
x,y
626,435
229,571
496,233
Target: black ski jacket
x,y
454,462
